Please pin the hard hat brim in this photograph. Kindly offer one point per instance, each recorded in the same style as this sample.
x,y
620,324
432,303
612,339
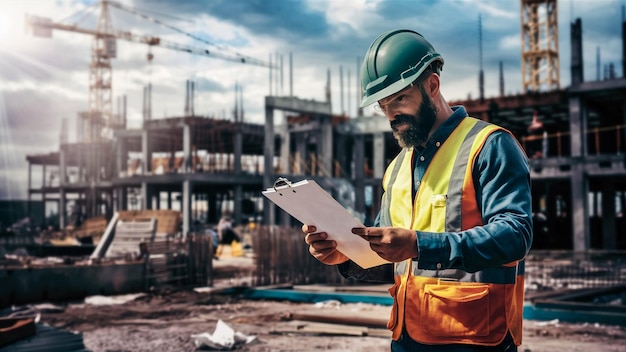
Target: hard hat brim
x,y
399,85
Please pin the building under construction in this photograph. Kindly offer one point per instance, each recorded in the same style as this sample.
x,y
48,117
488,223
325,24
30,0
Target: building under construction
x,y
204,166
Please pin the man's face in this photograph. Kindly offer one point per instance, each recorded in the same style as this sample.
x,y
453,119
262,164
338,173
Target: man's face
x,y
411,129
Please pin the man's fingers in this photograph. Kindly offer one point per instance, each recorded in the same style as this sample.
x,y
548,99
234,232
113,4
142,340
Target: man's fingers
x,y
321,246
368,232
311,238
361,231
308,228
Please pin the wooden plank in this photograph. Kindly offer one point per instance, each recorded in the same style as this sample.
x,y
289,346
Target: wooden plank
x,y
378,289
382,289
307,327
379,333
315,288
13,329
354,319
159,321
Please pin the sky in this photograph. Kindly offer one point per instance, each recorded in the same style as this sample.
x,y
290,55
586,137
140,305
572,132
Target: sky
x,y
44,81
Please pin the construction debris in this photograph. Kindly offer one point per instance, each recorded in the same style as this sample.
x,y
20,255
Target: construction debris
x,y
224,337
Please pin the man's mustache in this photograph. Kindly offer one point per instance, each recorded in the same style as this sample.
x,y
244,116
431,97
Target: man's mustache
x,y
400,119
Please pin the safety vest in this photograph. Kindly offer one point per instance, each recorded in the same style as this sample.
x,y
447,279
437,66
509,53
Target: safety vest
x,y
447,306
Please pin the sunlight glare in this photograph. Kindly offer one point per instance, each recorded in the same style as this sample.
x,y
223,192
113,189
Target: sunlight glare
x,y
9,26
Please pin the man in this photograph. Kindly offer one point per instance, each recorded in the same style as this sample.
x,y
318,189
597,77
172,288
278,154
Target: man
x,y
455,217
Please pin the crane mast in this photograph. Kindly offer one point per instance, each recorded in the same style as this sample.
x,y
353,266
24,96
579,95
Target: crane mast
x,y
104,49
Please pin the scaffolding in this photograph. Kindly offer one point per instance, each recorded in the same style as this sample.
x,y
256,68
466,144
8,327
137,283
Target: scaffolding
x,y
540,45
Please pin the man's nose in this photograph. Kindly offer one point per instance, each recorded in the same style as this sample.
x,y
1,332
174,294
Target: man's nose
x,y
391,115
391,111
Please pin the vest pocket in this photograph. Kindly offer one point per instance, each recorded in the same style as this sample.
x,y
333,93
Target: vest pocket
x,y
438,212
456,310
393,317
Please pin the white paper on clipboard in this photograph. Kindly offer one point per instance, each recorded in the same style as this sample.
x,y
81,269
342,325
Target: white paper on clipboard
x,y
312,205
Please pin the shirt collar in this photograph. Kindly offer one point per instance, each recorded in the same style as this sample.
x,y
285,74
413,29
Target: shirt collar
x,y
446,128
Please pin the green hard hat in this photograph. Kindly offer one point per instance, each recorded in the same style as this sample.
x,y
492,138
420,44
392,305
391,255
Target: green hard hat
x,y
393,61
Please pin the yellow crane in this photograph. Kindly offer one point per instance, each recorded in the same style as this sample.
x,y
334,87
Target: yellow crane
x,y
104,49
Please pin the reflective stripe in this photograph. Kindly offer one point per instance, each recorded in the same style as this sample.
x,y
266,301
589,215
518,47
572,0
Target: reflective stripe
x,y
455,186
400,268
502,275
385,216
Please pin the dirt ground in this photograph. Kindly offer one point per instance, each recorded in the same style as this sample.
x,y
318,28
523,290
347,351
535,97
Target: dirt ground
x,y
165,322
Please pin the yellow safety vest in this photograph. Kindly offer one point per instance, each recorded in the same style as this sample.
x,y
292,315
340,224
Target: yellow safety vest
x,y
449,305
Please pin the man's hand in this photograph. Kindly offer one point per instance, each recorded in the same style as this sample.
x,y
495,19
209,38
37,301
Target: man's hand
x,y
394,244
321,248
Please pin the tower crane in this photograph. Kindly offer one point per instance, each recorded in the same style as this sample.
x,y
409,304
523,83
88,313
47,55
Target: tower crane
x,y
104,49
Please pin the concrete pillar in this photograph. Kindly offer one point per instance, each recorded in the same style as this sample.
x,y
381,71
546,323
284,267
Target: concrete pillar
x,y
609,230
93,201
121,195
145,153
145,196
577,72
238,150
43,194
285,141
359,173
187,148
379,155
121,158
577,126
109,205
327,145
269,212
186,206
62,167
301,154
580,208
62,200
579,179
238,199
341,156
30,176
238,147
62,212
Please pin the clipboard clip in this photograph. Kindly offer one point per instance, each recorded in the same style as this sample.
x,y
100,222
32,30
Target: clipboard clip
x,y
281,181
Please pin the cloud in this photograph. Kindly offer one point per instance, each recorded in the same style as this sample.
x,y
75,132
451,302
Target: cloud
x,y
264,18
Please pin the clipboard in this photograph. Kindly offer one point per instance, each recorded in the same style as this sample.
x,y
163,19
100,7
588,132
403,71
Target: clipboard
x,y
310,204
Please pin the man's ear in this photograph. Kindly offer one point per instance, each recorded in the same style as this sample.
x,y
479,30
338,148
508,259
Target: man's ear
x,y
432,85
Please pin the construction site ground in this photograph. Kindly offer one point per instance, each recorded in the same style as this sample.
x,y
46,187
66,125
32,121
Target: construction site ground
x,y
165,321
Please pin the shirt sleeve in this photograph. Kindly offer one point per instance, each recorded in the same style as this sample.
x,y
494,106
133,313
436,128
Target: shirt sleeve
x,y
381,274
502,180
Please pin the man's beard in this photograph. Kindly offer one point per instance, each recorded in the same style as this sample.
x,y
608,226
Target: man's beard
x,y
420,125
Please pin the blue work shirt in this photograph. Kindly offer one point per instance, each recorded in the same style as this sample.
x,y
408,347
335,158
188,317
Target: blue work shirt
x,y
502,180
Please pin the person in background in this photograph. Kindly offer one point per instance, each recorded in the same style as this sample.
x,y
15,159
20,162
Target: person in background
x,y
215,242
535,141
455,218
225,232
